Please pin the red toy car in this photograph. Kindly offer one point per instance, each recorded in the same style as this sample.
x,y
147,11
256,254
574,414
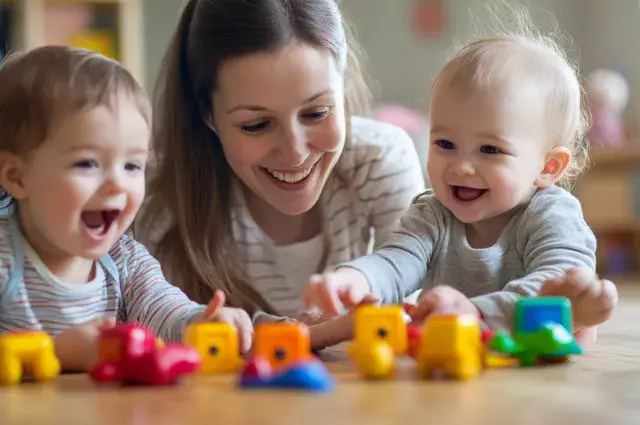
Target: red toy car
x,y
131,354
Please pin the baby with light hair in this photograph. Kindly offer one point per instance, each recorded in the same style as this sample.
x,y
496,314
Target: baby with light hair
x,y
507,124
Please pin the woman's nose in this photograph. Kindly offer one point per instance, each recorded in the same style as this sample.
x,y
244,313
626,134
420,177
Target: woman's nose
x,y
294,149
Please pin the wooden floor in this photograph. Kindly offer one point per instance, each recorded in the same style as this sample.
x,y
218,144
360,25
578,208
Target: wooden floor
x,y
599,388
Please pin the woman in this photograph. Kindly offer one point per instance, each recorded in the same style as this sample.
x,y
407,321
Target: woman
x,y
265,174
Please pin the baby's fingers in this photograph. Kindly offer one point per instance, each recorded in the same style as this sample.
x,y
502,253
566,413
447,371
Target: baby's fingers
x,y
423,309
409,308
243,324
352,301
608,299
324,294
575,283
216,303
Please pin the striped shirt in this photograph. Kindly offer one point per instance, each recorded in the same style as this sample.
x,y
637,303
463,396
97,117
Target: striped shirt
x,y
374,181
133,290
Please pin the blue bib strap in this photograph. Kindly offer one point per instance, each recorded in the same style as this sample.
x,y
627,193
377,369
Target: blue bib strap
x,y
16,273
112,270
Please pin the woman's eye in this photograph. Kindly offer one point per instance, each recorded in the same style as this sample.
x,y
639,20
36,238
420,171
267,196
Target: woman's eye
x,y
318,114
132,166
254,129
445,144
491,150
86,163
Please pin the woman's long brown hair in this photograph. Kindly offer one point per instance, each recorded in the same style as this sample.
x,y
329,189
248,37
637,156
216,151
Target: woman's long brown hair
x,y
191,181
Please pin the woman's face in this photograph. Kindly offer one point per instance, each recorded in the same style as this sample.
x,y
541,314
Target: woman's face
x,y
281,121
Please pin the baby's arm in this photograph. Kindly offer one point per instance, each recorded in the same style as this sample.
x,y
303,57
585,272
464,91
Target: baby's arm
x,y
148,298
552,238
397,268
162,307
394,271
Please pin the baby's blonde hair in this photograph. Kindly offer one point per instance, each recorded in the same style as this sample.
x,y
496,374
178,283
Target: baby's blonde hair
x,y
516,47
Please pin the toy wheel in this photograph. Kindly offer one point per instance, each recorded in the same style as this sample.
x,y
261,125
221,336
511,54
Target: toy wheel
x,y
10,370
552,359
465,373
431,371
46,367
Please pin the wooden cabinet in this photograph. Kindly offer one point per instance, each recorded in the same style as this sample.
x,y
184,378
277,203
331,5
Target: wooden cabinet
x,y
610,196
111,27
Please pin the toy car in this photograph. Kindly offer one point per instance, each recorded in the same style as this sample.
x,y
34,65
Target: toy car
x,y
130,354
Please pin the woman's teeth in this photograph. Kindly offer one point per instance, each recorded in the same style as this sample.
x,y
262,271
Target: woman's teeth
x,y
290,177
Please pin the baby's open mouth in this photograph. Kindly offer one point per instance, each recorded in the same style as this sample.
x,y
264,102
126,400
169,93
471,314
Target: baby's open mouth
x,y
467,194
99,222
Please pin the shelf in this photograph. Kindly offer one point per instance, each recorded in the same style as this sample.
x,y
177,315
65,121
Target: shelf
x,y
111,27
607,157
622,227
85,1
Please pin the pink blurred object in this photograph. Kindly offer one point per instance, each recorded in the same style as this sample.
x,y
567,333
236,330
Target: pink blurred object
x,y
608,98
408,119
606,129
62,22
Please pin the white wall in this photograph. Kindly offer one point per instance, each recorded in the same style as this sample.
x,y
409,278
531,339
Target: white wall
x,y
403,64
607,33
611,38
160,20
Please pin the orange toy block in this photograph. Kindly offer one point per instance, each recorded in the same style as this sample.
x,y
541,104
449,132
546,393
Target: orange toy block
x,y
282,344
217,344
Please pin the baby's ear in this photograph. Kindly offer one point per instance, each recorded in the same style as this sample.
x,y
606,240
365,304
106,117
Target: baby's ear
x,y
12,175
556,162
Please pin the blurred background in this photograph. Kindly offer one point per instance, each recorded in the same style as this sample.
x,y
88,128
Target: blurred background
x,y
405,43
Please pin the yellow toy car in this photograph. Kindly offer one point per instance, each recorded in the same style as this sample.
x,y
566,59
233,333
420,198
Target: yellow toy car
x,y
31,352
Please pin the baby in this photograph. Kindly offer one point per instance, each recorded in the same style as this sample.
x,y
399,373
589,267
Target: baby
x,y
506,122
74,142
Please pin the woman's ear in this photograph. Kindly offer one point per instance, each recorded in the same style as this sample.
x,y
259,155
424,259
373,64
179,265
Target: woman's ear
x,y
208,119
556,162
207,116
12,170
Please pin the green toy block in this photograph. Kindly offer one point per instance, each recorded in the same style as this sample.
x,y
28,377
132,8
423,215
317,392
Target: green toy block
x,y
551,340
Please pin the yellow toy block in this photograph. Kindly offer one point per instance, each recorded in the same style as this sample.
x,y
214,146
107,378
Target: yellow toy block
x,y
385,323
31,351
282,344
451,344
373,361
217,344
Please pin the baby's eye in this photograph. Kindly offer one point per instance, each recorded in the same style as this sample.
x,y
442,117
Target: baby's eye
x,y
445,144
86,163
318,114
255,129
491,150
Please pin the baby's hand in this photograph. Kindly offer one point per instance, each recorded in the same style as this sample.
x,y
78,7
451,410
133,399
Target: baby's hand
x,y
237,317
592,300
77,346
329,290
440,300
